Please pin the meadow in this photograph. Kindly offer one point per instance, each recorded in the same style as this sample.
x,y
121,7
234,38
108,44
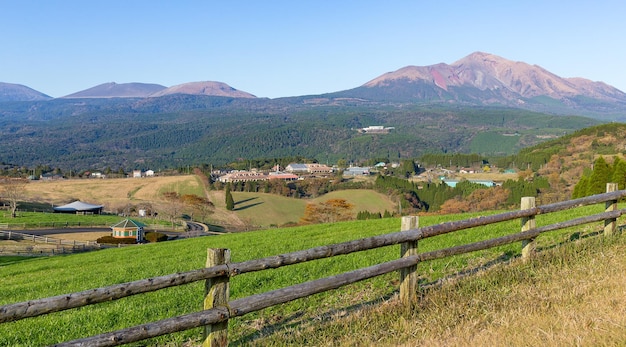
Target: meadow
x,y
110,192
333,318
252,210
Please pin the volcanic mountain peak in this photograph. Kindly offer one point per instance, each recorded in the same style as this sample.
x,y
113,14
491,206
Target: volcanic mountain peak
x,y
204,88
18,92
115,90
486,71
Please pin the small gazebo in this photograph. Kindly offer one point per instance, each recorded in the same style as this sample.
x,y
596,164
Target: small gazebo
x,y
127,229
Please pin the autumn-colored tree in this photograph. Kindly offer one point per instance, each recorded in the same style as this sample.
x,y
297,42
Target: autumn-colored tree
x,y
333,210
206,182
173,207
12,190
197,204
488,199
455,205
478,200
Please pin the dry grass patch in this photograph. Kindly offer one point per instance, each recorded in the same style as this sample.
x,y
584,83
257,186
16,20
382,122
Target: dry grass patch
x,y
574,295
106,191
90,236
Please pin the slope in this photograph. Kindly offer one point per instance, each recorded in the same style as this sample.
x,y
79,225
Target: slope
x,y
564,159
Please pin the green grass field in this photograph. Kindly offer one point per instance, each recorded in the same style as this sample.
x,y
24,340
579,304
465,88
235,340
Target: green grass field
x,y
38,219
44,277
262,209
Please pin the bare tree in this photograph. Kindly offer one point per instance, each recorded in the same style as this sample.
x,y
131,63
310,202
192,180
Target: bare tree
x,y
173,207
12,190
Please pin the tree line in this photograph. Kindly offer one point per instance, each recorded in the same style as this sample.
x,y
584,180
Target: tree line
x,y
593,181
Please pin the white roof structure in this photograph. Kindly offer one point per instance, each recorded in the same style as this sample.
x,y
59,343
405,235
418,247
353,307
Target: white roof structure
x,y
128,223
78,206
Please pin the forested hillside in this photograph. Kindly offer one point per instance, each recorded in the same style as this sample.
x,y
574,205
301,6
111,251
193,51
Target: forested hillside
x,y
181,130
564,161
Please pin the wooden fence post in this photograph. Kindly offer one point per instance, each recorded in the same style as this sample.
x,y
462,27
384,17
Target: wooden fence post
x,y
610,224
528,223
216,293
408,275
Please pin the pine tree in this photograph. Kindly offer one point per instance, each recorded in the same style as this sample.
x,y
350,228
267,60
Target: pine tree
x,y
581,188
600,177
230,203
619,173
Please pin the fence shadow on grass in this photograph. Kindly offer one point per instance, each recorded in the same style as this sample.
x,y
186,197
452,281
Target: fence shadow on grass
x,y
298,320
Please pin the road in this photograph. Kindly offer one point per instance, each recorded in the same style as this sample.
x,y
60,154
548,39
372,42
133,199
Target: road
x,y
194,229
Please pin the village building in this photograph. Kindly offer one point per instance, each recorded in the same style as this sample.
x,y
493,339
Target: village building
x,y
302,168
285,176
243,176
319,169
314,168
376,129
453,183
356,171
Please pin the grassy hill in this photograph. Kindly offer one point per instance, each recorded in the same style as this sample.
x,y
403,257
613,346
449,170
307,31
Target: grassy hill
x,y
111,192
265,210
319,319
563,160
251,209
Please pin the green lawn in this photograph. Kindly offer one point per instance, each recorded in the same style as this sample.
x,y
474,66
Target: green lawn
x,y
193,187
44,277
266,210
26,220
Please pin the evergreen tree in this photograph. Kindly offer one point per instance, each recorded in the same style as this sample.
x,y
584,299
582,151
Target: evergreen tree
x,y
600,177
581,188
619,173
230,203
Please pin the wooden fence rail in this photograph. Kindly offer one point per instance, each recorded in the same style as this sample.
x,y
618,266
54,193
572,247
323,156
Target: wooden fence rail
x,y
12,235
29,248
409,235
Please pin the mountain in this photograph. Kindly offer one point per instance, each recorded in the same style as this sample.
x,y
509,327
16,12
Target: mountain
x,y
18,92
204,88
115,90
487,79
480,104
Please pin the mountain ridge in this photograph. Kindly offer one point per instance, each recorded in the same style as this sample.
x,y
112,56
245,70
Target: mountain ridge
x,y
503,81
115,90
479,79
211,88
19,92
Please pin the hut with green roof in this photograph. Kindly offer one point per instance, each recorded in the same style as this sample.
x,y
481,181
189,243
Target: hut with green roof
x,y
129,228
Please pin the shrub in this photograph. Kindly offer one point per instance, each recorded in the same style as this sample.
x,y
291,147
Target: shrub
x,y
114,240
153,236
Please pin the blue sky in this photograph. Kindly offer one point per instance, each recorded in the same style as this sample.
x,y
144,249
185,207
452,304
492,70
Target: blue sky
x,y
287,48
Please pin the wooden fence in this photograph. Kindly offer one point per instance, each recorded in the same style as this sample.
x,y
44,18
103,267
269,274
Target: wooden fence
x,y
59,246
219,308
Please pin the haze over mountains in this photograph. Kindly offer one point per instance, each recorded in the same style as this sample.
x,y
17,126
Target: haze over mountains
x,y
477,79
